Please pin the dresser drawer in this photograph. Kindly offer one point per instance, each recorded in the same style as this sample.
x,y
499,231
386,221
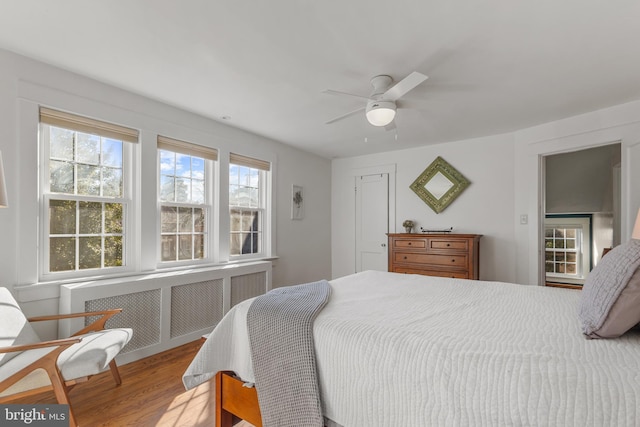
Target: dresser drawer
x,y
435,259
410,244
437,273
453,245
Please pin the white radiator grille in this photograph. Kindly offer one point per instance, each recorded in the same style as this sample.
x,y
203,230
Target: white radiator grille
x,y
196,306
247,286
165,309
141,311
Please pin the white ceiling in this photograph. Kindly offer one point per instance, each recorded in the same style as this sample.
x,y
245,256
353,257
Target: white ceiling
x,y
494,66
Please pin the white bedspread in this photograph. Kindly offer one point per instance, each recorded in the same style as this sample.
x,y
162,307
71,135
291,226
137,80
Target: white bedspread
x,y
424,351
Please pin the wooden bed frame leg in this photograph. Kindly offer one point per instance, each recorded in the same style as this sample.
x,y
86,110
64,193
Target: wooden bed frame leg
x,y
223,417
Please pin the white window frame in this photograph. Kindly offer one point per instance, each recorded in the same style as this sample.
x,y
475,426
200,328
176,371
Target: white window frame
x,y
264,209
583,250
208,206
46,196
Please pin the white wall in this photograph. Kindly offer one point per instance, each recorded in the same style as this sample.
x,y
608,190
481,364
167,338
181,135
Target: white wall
x,y
485,207
581,181
504,171
302,247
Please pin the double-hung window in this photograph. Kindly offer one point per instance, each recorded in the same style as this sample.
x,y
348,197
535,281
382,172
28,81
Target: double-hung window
x,y
567,248
247,205
185,178
85,193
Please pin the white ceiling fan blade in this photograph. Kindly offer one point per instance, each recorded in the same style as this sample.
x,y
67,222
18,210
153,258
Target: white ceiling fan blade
x,y
404,86
338,93
344,116
390,126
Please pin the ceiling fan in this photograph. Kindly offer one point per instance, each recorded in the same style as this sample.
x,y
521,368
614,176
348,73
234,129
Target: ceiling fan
x,y
380,109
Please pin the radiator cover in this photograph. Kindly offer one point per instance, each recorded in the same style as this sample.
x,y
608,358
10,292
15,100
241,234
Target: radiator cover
x,y
165,310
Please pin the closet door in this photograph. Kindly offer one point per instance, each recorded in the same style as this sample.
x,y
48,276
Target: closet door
x,y
372,221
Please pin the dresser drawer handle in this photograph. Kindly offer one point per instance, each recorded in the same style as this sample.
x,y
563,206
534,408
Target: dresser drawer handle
x,y
453,260
448,244
409,243
405,257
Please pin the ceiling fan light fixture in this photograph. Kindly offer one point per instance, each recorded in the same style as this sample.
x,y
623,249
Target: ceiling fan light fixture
x,y
381,113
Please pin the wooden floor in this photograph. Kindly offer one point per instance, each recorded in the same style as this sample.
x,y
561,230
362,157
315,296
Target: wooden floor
x,y
151,394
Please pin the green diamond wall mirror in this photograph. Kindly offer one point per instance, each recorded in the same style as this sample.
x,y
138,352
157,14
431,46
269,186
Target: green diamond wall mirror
x,y
439,185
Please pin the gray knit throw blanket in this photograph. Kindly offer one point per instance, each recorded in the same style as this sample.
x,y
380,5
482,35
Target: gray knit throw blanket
x,y
280,327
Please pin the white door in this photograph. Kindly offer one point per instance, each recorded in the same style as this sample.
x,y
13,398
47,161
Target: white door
x,y
372,221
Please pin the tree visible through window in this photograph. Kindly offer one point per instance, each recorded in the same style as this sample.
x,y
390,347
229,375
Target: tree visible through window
x,y
562,251
567,242
85,203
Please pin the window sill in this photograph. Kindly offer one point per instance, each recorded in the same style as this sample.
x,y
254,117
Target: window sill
x,y
51,290
563,285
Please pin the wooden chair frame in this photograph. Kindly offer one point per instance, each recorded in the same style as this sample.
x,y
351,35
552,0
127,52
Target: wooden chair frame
x,y
48,362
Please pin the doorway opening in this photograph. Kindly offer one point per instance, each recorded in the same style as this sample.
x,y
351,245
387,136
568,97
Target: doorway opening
x,y
581,212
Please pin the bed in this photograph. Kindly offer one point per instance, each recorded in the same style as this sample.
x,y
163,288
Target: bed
x,y
409,350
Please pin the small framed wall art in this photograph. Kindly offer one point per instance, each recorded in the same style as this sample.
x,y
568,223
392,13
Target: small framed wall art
x,y
297,202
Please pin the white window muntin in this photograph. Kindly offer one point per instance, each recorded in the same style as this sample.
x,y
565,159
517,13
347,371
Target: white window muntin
x,y
46,196
251,199
208,156
583,237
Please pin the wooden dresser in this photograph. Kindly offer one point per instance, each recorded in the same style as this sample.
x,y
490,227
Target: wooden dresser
x,y
444,255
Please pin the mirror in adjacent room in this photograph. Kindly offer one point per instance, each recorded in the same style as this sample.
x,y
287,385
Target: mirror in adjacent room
x,y
582,212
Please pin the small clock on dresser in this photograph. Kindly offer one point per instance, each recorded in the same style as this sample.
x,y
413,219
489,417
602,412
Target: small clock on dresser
x,y
444,255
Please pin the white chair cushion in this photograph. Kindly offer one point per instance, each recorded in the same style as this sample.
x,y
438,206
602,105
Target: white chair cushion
x,y
16,330
88,357
22,360
93,354
35,379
